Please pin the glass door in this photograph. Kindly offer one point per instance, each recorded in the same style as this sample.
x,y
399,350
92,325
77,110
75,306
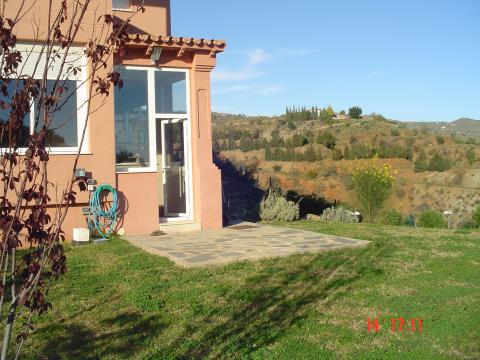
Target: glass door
x,y
174,170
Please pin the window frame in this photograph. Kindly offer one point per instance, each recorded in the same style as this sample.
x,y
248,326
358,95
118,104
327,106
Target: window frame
x,y
153,116
129,8
82,98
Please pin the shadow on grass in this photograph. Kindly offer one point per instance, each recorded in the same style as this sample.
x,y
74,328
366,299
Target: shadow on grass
x,y
124,334
273,301
252,314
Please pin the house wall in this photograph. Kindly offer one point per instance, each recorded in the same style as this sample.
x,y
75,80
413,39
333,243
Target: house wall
x,y
206,177
155,20
34,24
138,191
138,208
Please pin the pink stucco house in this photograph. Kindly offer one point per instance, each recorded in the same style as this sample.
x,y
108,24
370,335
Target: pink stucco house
x,y
151,140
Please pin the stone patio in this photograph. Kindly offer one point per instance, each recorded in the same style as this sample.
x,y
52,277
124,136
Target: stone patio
x,y
245,241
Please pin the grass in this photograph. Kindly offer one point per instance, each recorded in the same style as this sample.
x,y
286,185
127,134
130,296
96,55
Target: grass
x,y
117,302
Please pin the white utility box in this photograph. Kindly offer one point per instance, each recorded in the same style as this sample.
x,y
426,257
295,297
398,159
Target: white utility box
x,y
81,235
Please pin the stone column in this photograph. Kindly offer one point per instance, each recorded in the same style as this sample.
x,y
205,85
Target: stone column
x,y
207,184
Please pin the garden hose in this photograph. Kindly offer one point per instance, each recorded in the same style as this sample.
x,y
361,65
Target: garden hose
x,y
103,217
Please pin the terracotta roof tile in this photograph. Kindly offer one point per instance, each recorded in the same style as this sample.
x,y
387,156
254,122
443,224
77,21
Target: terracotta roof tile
x,y
184,43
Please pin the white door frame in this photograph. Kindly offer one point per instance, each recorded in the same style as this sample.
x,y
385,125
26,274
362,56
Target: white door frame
x,y
163,122
153,116
152,123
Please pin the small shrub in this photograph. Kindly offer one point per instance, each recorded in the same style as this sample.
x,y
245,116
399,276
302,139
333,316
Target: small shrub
x,y
421,163
277,168
410,141
311,174
470,155
439,163
326,139
338,215
395,132
328,171
410,220
337,155
468,224
372,184
392,217
275,207
476,216
431,219
440,140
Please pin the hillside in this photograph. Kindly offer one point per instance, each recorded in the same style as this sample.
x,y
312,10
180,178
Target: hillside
x,y
435,168
463,128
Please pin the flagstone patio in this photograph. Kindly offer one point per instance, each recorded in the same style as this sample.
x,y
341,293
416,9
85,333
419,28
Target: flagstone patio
x,y
245,241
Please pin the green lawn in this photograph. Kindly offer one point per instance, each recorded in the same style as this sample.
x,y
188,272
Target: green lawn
x,y
118,302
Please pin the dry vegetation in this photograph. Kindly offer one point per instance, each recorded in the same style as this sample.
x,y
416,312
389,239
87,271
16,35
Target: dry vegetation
x,y
455,189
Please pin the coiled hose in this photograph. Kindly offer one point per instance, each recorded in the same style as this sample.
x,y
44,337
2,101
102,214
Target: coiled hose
x,y
103,217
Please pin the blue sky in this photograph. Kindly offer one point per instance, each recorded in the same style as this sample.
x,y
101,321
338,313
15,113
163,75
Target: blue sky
x,y
408,59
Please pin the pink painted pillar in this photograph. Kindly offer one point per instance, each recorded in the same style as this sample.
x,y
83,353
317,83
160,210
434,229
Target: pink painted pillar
x,y
207,184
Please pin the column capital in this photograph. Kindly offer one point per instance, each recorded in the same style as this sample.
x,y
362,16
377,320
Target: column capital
x,y
203,62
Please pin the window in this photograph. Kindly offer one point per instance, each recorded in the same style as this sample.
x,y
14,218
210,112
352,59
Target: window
x,y
148,94
5,113
63,128
68,120
121,4
170,92
132,145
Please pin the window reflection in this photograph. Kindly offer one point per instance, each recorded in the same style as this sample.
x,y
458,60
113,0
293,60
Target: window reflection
x,y
170,92
131,120
13,86
62,130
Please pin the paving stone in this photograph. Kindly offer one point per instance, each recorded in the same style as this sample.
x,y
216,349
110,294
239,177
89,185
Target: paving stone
x,y
200,258
230,254
161,248
328,245
289,232
345,241
177,254
226,245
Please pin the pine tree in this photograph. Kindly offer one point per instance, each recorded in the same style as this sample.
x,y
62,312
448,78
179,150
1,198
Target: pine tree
x,y
346,153
309,154
268,154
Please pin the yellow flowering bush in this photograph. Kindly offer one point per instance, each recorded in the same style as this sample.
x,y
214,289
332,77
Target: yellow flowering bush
x,y
372,183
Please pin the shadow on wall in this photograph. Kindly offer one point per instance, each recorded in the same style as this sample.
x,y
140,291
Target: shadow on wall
x,y
240,193
242,196
123,207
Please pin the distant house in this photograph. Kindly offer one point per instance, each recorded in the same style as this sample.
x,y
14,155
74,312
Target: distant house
x,y
338,116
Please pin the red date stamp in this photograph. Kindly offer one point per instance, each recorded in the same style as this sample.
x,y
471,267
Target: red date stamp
x,y
397,325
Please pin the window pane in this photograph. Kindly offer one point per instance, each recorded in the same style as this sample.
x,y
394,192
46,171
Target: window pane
x,y
131,120
62,131
24,133
170,92
121,4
